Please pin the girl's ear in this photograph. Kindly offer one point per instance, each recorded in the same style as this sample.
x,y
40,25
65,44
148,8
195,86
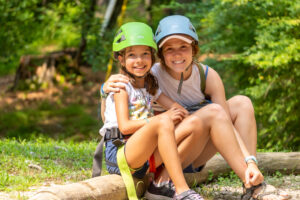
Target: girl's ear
x,y
121,60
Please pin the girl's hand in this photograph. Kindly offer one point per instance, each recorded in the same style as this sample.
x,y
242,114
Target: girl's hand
x,y
113,85
178,106
176,114
253,176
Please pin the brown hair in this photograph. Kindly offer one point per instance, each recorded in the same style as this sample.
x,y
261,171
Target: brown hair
x,y
151,83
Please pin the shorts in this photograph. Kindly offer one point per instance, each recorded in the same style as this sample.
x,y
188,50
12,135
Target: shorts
x,y
190,169
112,165
198,106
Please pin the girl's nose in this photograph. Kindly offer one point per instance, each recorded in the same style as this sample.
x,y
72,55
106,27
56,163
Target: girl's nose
x,y
139,59
177,52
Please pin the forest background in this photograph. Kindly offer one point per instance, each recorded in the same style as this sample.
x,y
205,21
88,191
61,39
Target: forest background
x,y
253,44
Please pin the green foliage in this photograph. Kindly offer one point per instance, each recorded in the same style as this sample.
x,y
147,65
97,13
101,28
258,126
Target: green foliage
x,y
28,26
265,37
71,122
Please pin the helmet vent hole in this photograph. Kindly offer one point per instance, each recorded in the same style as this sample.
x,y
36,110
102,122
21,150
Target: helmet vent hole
x,y
118,33
158,31
122,38
192,28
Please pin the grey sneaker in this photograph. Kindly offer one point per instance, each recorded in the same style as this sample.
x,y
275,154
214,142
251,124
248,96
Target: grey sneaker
x,y
188,195
164,192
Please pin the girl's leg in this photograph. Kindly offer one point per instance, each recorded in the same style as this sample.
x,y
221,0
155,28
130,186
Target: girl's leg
x,y
221,133
199,134
243,119
159,133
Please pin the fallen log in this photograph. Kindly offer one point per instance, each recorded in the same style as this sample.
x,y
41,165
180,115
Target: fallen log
x,y
112,186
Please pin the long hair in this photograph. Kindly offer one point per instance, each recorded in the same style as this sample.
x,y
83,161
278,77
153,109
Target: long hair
x,y
151,83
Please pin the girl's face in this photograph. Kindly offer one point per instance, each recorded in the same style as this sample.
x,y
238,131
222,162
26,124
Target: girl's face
x,y
178,54
137,59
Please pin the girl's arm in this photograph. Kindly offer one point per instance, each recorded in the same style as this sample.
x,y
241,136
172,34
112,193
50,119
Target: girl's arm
x,y
167,103
103,106
215,89
112,85
126,125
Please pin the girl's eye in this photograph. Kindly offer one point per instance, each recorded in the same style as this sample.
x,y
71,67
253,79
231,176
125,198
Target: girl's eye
x,y
130,55
183,47
168,49
146,53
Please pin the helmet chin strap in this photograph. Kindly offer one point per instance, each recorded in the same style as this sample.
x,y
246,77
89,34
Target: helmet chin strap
x,y
181,79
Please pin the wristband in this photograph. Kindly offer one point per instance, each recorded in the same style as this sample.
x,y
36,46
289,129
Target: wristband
x,y
251,158
147,120
102,93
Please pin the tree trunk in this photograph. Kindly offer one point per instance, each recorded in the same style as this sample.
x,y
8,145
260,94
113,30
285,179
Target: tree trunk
x,y
148,9
112,186
42,68
90,11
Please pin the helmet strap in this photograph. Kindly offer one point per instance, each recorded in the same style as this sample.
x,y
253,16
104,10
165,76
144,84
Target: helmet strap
x,y
181,80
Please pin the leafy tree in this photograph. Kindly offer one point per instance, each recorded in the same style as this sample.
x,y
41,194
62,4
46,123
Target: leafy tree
x,y
264,35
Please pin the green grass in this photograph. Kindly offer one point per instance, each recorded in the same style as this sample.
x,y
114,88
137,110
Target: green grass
x,y
60,162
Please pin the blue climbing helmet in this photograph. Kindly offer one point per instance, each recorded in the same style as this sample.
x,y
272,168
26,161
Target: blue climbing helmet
x,y
175,24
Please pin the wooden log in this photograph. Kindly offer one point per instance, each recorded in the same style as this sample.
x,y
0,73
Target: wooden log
x,y
112,186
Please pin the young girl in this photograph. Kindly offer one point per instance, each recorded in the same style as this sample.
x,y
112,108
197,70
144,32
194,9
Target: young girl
x,y
211,128
129,119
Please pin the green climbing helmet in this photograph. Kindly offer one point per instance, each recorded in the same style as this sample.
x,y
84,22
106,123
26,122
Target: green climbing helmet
x,y
134,33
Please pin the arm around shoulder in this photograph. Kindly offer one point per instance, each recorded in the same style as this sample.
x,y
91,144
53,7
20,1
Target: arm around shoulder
x,y
215,89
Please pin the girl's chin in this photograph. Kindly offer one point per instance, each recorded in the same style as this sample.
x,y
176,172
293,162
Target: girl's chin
x,y
177,69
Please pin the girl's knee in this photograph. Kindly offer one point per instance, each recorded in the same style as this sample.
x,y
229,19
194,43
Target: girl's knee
x,y
165,123
218,113
243,104
216,110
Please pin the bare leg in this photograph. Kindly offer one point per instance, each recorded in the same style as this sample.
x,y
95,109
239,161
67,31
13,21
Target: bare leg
x,y
194,132
243,119
143,142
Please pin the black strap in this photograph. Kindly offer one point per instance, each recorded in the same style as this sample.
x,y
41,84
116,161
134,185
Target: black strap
x,y
97,161
202,76
110,134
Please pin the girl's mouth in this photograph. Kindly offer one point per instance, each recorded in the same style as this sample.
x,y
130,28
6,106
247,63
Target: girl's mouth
x,y
178,62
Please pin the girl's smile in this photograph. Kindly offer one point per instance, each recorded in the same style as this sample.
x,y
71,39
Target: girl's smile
x,y
137,60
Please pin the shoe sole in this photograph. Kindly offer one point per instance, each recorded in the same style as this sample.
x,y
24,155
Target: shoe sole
x,y
150,196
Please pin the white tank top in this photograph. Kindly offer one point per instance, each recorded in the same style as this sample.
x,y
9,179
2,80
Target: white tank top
x,y
191,88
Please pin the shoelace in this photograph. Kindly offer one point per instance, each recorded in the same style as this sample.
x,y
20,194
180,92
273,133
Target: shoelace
x,y
190,194
196,196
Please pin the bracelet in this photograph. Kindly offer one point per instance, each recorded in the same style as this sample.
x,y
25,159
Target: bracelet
x,y
251,158
102,93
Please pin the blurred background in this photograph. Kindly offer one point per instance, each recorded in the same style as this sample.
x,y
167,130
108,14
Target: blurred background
x,y
55,54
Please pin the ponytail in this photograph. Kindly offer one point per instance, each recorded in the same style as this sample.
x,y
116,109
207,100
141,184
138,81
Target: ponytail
x,y
151,84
